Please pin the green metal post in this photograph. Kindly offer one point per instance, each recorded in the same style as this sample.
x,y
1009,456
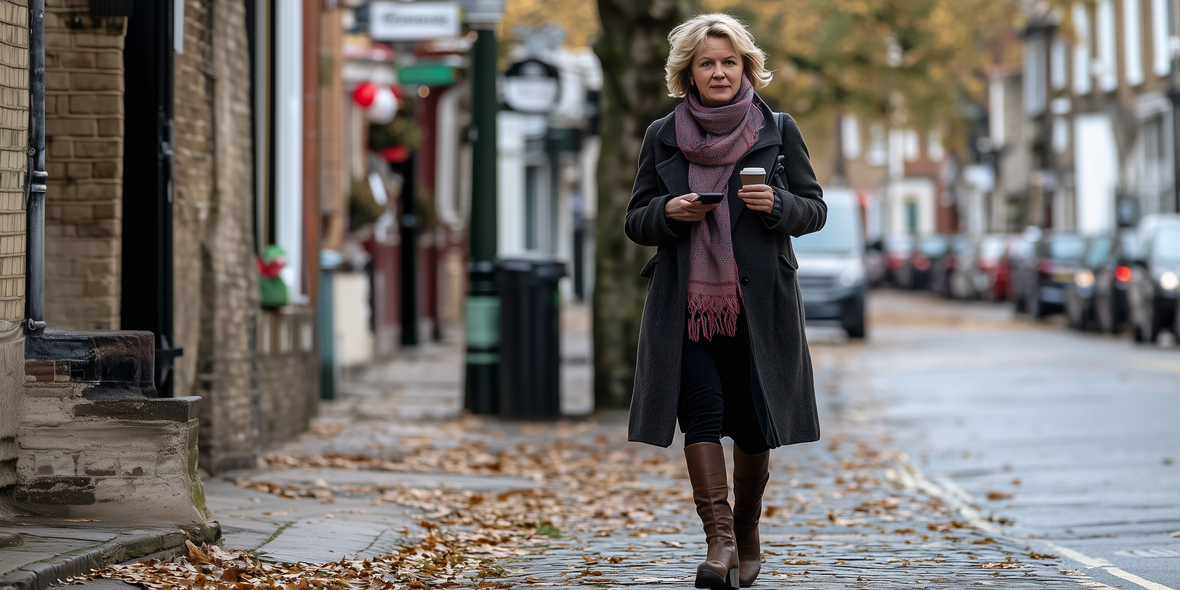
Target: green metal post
x,y
483,301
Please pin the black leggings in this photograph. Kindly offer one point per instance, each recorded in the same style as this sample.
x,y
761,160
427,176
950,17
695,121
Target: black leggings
x,y
715,396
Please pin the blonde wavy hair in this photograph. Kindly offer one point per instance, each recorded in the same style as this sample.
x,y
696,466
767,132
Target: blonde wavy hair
x,y
689,37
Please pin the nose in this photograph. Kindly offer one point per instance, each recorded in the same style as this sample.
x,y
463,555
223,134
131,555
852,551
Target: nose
x,y
718,72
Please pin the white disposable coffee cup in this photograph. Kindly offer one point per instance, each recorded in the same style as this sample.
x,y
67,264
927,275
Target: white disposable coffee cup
x,y
753,176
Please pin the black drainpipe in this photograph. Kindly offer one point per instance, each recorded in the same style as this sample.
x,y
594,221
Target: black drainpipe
x,y
35,182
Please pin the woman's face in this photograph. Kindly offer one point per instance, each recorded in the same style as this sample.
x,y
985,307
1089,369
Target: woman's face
x,y
717,71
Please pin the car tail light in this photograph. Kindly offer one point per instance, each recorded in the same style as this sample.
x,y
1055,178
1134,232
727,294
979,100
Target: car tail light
x,y
1123,274
921,262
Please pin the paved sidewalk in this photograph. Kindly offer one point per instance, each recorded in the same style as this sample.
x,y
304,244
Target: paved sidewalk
x,y
393,469
36,552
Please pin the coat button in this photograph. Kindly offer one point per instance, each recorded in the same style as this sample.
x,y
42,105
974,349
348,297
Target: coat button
x,y
746,280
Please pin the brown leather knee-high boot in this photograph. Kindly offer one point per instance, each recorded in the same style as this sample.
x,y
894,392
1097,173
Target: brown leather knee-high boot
x,y
710,492
750,474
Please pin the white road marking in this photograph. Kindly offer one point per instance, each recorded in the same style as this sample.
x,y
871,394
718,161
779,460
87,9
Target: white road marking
x,y
910,477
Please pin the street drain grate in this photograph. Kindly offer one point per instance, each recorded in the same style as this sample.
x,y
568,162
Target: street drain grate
x,y
1149,553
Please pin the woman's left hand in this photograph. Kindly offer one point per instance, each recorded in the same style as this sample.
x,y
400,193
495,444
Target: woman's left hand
x,y
758,197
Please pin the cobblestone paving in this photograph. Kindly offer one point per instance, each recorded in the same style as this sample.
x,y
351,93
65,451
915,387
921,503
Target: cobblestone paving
x,y
848,512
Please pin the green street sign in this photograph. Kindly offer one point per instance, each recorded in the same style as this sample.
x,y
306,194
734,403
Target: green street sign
x,y
427,74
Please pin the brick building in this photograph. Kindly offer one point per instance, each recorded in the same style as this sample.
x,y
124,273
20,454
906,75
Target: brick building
x,y
167,173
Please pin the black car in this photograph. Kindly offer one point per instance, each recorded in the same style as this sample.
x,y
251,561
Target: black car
x,y
930,251
1155,276
1079,295
1054,259
1111,282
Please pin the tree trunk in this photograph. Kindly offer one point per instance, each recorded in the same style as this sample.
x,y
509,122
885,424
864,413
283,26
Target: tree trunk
x,y
632,47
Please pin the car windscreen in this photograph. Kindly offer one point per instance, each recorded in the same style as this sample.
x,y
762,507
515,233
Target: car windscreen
x,y
838,235
1097,252
1062,247
1167,243
964,245
991,248
899,245
934,246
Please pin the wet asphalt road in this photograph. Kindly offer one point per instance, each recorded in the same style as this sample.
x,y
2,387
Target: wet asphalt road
x,y
1075,437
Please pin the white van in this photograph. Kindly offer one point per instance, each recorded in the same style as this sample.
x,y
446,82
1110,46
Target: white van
x,y
831,265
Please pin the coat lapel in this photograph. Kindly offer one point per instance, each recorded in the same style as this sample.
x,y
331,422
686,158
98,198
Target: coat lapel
x,y
758,156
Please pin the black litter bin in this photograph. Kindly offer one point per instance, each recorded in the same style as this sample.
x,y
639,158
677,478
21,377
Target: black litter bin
x,y
530,338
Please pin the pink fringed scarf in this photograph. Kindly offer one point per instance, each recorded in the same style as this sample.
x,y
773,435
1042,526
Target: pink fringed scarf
x,y
713,140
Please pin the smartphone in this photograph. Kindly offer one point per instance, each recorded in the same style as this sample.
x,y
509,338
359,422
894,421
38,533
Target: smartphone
x,y
709,198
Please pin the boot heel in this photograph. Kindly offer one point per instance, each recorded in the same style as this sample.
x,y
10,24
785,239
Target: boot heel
x,y
731,580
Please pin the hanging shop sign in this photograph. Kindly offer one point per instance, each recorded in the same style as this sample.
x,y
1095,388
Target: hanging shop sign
x,y
532,86
413,21
426,74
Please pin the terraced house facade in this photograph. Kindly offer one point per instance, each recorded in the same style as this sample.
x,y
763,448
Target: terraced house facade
x,y
139,351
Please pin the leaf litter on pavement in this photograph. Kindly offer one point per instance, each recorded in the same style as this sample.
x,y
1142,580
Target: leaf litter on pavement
x,y
589,492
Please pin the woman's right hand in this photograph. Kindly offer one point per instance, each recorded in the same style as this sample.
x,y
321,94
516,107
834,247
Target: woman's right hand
x,y
685,208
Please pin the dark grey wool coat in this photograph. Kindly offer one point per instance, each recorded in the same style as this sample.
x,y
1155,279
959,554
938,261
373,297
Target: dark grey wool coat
x,y
766,270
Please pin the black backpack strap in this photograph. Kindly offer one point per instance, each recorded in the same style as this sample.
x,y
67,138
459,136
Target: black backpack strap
x,y
780,169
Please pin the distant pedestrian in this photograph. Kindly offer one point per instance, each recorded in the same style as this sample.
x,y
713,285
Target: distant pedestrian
x,y
721,346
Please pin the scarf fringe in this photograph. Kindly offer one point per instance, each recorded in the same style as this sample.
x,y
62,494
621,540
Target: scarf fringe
x,y
712,315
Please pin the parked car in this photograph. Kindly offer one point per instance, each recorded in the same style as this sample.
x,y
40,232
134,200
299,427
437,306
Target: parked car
x,y
942,269
977,275
898,249
875,264
1044,274
1079,295
930,250
831,271
1016,248
1112,280
1155,276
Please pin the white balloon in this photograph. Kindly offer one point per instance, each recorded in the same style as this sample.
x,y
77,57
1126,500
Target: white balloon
x,y
384,106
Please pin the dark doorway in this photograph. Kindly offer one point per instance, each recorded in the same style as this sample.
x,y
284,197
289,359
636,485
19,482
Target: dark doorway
x,y
147,182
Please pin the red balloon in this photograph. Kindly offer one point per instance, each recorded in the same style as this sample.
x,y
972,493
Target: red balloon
x,y
364,94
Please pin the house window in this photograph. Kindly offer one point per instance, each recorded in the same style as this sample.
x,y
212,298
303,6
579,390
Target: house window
x,y
1132,42
878,147
1163,26
850,136
934,146
910,145
1107,70
911,217
1057,64
1081,50
995,110
1157,180
1034,76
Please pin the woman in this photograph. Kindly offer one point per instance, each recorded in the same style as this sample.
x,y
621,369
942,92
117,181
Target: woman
x,y
723,312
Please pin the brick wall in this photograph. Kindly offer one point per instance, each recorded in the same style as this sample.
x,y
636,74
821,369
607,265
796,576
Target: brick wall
x,y
14,128
84,135
14,123
193,88
217,313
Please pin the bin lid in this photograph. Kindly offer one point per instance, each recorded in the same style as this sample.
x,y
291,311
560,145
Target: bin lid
x,y
539,265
